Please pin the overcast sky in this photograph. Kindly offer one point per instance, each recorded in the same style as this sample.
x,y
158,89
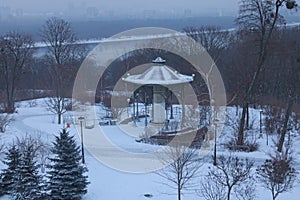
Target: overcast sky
x,y
126,6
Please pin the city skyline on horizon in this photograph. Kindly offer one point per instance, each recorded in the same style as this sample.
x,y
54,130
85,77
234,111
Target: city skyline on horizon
x,y
118,8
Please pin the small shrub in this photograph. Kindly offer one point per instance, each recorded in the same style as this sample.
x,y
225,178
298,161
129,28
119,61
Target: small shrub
x,y
277,174
249,146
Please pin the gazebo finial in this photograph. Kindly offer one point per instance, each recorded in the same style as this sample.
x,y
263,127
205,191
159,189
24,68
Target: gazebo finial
x,y
159,60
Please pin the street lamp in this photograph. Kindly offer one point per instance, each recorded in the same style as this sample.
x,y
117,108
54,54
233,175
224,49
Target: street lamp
x,y
137,106
215,120
260,124
81,119
128,110
145,101
215,146
133,104
171,105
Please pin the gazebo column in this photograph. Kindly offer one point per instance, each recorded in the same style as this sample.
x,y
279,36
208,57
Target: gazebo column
x,y
158,110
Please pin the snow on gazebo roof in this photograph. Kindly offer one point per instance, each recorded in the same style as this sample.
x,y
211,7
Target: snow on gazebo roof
x,y
159,75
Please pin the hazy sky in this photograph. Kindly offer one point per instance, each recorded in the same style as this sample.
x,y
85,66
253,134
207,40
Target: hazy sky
x,y
126,6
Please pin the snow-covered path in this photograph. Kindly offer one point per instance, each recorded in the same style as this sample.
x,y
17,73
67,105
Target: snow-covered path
x,y
106,183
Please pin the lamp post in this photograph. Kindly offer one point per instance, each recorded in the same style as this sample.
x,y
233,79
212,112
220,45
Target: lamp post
x,y
128,109
137,106
214,118
133,104
81,119
171,104
260,124
215,146
145,101
166,119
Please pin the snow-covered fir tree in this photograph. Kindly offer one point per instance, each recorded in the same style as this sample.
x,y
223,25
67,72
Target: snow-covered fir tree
x,y
12,160
67,179
21,178
28,181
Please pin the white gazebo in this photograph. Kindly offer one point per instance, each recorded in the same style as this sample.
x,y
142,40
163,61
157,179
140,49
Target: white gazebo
x,y
160,77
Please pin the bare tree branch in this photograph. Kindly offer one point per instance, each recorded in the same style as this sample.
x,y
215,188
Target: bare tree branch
x,y
183,167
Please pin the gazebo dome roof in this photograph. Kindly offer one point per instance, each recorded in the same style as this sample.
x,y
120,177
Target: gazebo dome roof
x,y
159,75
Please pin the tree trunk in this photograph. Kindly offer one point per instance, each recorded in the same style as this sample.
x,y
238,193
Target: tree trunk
x,y
285,125
178,187
10,106
240,140
59,118
228,193
273,194
178,192
247,117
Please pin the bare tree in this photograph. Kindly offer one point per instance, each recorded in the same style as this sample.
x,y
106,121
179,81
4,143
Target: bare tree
x,y
194,116
58,105
5,119
231,171
210,189
289,88
214,41
62,55
212,38
246,191
60,38
16,51
117,112
259,18
277,173
39,149
273,119
183,167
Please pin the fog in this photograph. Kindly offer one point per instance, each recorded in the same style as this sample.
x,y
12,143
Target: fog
x,y
103,18
117,8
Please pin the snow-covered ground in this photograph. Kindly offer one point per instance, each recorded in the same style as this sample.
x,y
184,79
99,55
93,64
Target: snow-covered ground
x,y
110,184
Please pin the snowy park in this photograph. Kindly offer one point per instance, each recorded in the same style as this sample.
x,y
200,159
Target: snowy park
x,y
132,100
108,183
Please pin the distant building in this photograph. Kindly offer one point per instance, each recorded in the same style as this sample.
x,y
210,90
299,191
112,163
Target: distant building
x,y
148,14
92,12
5,13
187,13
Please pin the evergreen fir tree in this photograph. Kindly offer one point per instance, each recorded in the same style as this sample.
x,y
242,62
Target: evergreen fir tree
x,y
2,192
67,179
28,182
12,160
